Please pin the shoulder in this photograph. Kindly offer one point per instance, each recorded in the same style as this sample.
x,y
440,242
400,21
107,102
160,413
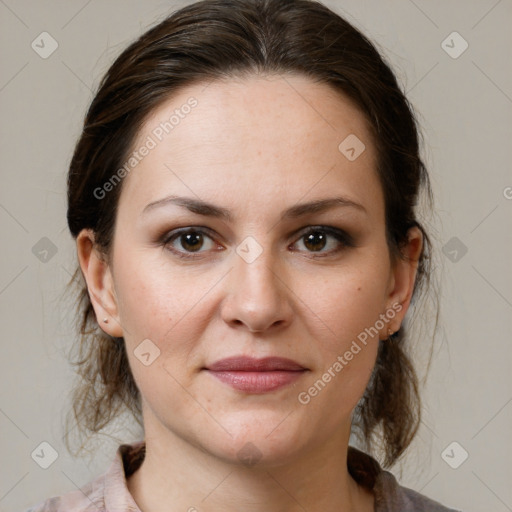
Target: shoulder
x,y
74,501
107,492
389,495
90,498
422,503
403,499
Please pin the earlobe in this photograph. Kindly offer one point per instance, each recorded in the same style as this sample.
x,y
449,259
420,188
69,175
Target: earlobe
x,y
403,277
100,284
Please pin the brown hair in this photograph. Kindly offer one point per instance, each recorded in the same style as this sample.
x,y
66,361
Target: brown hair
x,y
214,39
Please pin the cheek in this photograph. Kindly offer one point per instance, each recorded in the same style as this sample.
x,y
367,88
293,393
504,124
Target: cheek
x,y
172,309
153,296
344,305
346,347
166,309
342,317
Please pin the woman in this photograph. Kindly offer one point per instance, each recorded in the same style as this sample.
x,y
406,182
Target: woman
x,y
243,202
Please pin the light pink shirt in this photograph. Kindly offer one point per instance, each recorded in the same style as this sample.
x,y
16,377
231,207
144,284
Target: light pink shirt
x,y
109,492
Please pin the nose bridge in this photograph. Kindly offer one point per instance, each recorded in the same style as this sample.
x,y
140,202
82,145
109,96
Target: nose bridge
x,y
256,270
257,295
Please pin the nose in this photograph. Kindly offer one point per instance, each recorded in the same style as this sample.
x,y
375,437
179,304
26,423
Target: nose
x,y
258,296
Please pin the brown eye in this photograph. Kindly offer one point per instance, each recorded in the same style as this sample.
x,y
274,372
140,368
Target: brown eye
x,y
191,241
186,242
316,239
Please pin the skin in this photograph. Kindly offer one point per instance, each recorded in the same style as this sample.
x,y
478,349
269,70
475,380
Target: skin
x,y
255,146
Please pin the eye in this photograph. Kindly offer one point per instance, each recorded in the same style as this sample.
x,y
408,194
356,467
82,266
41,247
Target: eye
x,y
188,242
316,238
191,241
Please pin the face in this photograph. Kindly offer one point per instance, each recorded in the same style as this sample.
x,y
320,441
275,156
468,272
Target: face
x,y
259,274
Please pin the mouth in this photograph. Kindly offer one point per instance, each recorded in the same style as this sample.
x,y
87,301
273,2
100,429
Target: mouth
x,y
252,375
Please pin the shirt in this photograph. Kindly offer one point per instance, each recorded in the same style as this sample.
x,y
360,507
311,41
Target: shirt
x,y
109,492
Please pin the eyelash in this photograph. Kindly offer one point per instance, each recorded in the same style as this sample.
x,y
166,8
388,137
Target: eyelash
x,y
345,240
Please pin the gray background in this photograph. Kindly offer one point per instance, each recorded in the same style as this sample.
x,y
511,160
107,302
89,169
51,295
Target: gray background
x,y
465,106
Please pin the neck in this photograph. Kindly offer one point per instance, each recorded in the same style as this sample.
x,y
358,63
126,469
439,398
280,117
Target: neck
x,y
177,475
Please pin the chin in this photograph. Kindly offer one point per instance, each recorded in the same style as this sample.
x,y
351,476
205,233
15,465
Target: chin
x,y
256,442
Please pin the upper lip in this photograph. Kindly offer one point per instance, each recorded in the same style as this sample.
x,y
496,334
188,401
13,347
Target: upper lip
x,y
245,363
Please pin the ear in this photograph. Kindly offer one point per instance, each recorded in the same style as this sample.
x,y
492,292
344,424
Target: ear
x,y
402,278
98,276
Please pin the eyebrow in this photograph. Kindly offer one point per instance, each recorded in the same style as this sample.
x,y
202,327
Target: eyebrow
x,y
210,210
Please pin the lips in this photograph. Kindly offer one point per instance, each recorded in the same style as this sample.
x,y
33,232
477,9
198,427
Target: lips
x,y
251,375
250,364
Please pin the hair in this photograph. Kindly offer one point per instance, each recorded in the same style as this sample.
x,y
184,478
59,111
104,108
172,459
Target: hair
x,y
216,39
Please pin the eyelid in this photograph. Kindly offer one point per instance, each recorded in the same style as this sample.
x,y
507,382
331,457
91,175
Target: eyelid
x,y
342,236
169,236
331,230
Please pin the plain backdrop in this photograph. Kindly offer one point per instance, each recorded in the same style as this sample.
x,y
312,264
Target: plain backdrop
x,y
464,102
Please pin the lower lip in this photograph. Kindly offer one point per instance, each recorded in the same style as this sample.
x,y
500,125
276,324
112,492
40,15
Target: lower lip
x,y
257,382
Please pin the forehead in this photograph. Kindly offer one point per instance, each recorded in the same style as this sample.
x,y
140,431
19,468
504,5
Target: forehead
x,y
281,133
241,105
